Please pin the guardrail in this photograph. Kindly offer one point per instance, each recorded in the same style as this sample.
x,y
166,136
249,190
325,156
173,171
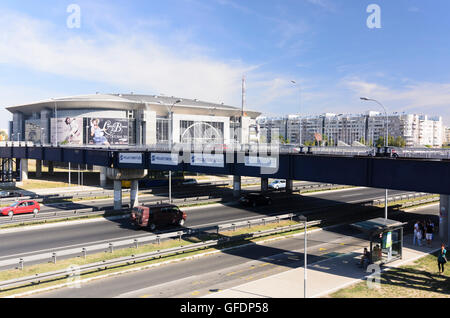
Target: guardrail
x,y
97,193
52,256
158,238
91,211
403,197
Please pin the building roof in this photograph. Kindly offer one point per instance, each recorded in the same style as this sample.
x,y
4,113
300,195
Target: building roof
x,y
132,102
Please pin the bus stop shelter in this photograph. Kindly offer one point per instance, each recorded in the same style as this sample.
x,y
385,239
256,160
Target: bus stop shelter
x,y
386,239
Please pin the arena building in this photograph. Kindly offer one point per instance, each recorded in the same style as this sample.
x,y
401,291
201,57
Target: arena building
x,y
129,119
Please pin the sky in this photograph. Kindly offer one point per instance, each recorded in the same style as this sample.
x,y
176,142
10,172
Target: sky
x,y
202,49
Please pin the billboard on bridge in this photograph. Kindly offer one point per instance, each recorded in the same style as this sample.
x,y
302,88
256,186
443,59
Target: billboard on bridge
x,y
107,131
67,130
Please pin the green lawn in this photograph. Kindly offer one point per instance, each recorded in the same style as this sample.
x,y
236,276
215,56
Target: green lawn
x,y
417,280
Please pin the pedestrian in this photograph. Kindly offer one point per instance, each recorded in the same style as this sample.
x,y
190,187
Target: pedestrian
x,y
419,233
429,233
442,258
416,230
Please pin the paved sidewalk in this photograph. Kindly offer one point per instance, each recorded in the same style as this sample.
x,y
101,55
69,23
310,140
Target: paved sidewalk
x,y
323,277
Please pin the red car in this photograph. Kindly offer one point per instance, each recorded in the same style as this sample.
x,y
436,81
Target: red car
x,y
26,206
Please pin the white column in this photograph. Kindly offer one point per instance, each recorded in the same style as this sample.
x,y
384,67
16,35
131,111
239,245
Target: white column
x,y
23,169
102,176
117,194
134,195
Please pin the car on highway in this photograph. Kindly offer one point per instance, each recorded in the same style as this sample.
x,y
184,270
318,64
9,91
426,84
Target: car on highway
x,y
277,184
254,199
157,215
19,207
189,182
10,194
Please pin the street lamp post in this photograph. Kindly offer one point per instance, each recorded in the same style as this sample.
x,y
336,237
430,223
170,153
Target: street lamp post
x,y
299,116
385,145
171,141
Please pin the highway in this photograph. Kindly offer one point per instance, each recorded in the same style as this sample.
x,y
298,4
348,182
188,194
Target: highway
x,y
206,275
22,242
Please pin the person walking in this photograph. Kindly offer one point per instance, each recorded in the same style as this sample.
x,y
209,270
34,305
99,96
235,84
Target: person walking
x,y
442,258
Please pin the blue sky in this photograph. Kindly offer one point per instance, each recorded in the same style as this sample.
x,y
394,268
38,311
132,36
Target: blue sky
x,y
201,48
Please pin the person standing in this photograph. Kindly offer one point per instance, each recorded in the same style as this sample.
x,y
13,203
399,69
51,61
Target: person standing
x,y
442,258
416,230
429,232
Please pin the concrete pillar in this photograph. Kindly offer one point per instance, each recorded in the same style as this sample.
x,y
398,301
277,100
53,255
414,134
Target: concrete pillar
x,y
264,184
289,186
50,167
102,176
23,169
117,194
38,168
444,225
236,186
134,195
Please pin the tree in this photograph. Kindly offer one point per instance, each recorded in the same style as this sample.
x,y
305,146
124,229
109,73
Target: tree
x,y
283,140
3,135
394,142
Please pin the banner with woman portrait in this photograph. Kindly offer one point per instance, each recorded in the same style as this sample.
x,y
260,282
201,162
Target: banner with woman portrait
x,y
107,131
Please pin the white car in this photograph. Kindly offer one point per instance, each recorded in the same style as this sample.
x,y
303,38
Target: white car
x,y
278,184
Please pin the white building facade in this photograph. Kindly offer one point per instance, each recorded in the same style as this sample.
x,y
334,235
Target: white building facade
x,y
349,129
130,119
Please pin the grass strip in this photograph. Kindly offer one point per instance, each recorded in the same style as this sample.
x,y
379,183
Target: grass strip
x,y
419,279
97,257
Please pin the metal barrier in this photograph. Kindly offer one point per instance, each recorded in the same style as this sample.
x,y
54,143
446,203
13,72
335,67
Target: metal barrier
x,y
143,257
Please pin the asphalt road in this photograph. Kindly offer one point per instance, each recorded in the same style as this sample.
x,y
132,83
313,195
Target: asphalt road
x,y
206,275
25,242
157,194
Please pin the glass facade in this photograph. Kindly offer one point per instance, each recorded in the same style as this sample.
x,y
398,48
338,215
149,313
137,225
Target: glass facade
x,y
162,129
201,132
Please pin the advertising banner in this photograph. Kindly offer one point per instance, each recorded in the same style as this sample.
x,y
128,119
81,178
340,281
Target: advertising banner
x,y
33,131
67,131
262,162
107,131
207,160
130,157
164,159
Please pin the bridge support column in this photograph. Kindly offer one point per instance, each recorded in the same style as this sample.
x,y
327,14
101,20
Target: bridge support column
x,y
102,176
23,169
264,184
117,194
50,167
134,193
236,186
38,168
444,225
289,186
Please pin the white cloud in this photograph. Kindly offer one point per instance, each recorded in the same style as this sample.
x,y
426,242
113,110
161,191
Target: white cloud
x,y
137,62
412,97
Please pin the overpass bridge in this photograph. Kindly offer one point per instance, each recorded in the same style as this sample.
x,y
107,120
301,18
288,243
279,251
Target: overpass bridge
x,y
409,174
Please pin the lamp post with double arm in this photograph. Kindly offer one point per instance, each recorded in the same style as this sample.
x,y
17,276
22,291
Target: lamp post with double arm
x,y
386,143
